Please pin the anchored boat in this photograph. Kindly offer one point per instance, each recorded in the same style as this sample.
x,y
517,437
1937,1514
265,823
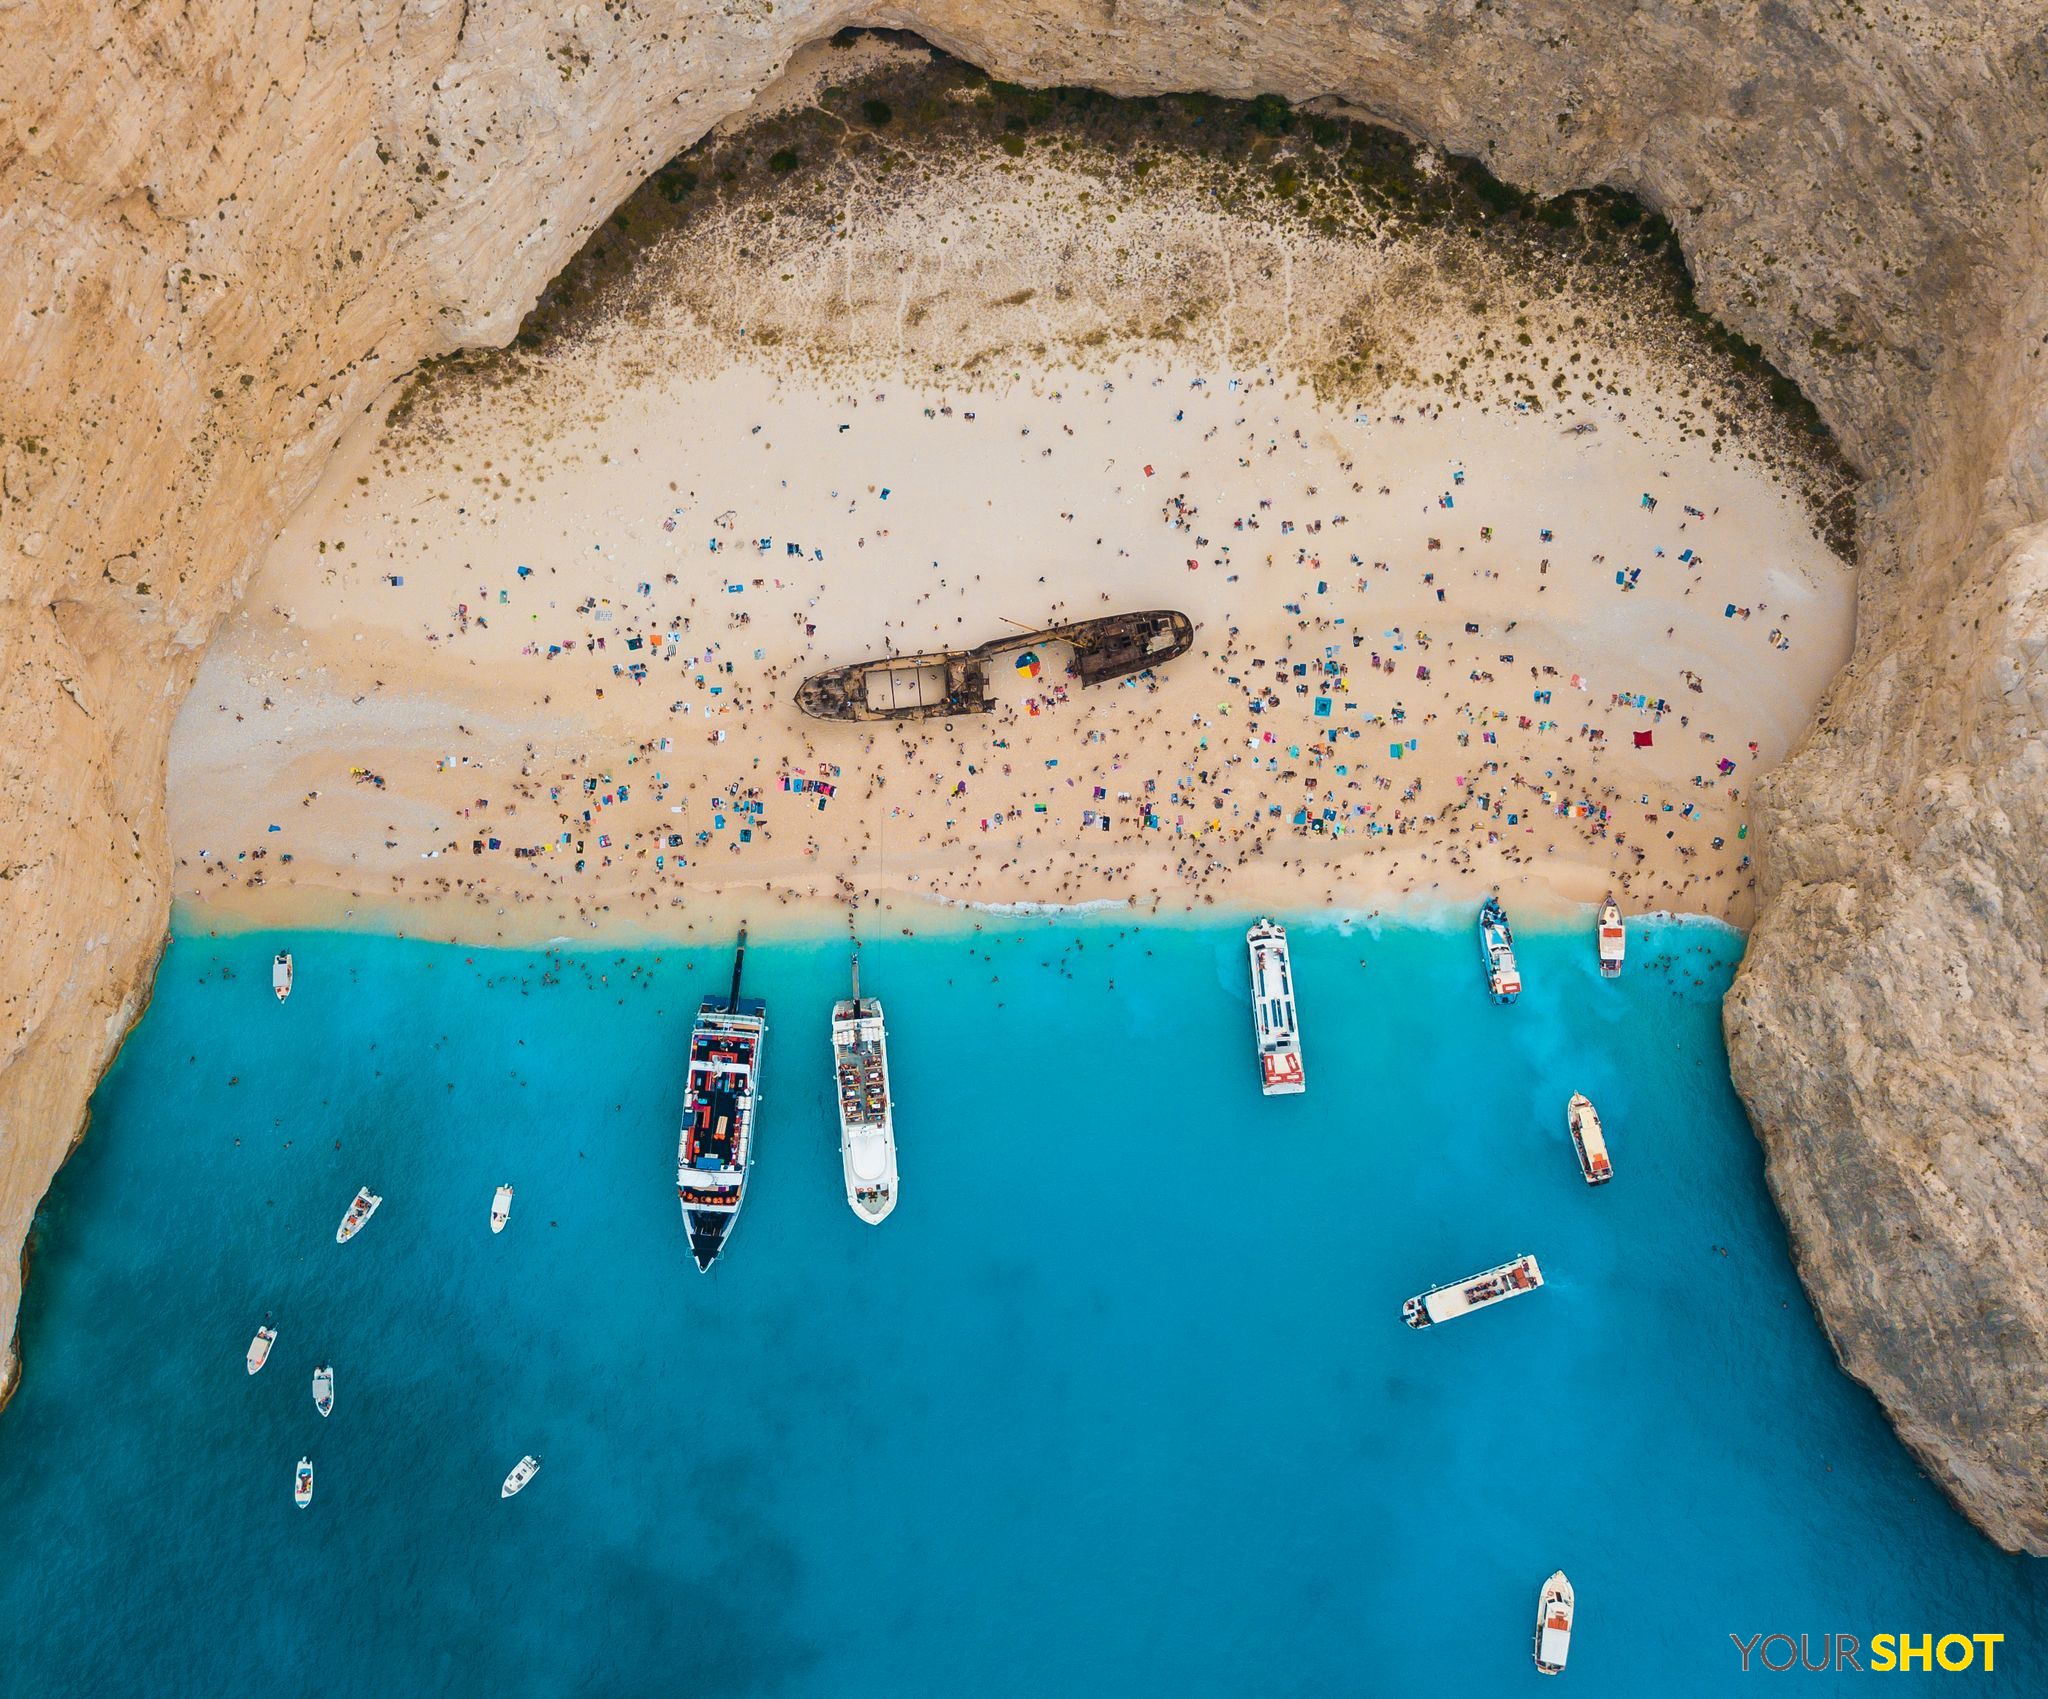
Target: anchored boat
x,y
302,1483
1588,1140
501,1209
1462,1297
360,1211
522,1472
1273,1017
1497,950
717,1144
259,1348
1613,939
323,1389
281,974
867,1120
1554,1624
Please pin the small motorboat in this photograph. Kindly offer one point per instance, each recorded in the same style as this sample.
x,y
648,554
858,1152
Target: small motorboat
x,y
1613,939
360,1211
302,1483
281,974
522,1472
259,1348
1554,1625
501,1209
1588,1139
323,1389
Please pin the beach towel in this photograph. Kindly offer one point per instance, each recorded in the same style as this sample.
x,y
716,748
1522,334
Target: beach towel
x,y
1643,739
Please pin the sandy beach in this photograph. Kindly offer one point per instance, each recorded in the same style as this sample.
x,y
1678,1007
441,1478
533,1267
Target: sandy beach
x,y
499,693
1502,576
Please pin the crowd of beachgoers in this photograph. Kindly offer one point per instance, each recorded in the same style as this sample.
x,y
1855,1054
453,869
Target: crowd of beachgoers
x,y
507,691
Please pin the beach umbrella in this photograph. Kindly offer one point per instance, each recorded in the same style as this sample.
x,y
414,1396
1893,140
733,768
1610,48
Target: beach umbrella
x,y
1027,664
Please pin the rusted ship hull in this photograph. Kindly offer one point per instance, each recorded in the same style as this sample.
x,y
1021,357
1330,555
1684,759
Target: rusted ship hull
x,y
949,682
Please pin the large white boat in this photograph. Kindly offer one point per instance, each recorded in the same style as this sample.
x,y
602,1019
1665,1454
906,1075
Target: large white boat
x,y
522,1472
1554,1625
302,1483
501,1209
259,1348
1613,939
360,1211
1274,1024
281,974
1588,1140
1462,1297
867,1114
1497,950
323,1390
724,1089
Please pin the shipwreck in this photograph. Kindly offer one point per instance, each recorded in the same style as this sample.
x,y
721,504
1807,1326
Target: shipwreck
x,y
956,681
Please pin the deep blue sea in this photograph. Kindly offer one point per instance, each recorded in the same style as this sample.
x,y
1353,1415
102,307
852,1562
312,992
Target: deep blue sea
x,y
1119,1402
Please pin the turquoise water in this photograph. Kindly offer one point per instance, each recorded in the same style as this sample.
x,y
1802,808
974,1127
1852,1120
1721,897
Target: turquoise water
x,y
1118,1402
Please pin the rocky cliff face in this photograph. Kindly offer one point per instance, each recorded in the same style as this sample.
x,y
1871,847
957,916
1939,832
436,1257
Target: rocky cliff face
x,y
225,229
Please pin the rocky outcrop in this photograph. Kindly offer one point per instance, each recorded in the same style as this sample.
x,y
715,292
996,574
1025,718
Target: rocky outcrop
x,y
225,229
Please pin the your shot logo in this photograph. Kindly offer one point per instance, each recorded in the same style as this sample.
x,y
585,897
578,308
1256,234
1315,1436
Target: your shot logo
x,y
1883,1654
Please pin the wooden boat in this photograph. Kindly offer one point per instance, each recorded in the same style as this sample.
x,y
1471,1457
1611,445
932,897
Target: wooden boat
x,y
1588,1140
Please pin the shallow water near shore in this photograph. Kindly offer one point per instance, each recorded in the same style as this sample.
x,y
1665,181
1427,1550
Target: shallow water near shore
x,y
1119,1400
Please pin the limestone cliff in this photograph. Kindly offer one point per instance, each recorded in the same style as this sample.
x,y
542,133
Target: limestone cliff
x,y
225,229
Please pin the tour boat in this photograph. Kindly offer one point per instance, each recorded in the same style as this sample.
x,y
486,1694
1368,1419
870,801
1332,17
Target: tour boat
x,y
323,1389
259,1348
867,1115
522,1472
360,1211
501,1209
302,1483
281,974
1462,1297
1588,1140
1497,950
1554,1625
724,1087
1273,1019
1613,939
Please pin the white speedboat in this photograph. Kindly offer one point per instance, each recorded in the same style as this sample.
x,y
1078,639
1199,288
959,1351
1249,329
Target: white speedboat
x,y
1613,940
1588,1140
522,1472
716,1147
1554,1625
360,1211
1274,1024
323,1389
259,1348
501,1209
867,1117
302,1483
281,974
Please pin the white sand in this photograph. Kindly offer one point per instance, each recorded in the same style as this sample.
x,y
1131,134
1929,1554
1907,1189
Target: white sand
x,y
1028,499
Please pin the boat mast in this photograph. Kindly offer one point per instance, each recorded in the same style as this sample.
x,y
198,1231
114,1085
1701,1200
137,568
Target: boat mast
x,y
739,956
